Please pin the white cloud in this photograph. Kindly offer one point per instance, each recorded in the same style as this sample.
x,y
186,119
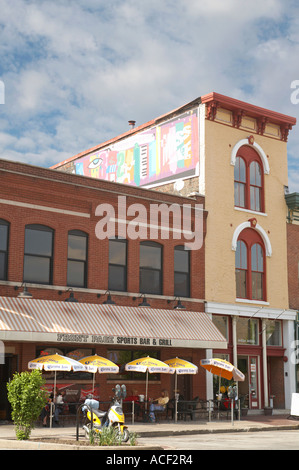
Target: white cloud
x,y
76,72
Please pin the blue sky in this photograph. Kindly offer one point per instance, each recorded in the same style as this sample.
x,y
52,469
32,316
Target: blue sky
x,y
76,72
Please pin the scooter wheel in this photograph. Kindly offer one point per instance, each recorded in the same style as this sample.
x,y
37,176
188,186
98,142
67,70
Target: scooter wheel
x,y
87,429
125,435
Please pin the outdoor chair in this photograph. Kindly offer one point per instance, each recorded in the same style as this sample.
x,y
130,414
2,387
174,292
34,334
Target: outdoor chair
x,y
188,408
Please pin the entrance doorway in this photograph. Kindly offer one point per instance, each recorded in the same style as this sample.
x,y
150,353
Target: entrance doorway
x,y
184,386
6,372
249,389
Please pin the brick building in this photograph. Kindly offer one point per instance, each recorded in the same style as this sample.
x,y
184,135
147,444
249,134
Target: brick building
x,y
235,155
66,235
292,202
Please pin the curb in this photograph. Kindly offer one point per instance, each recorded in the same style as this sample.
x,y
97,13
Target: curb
x,y
216,431
38,445
41,445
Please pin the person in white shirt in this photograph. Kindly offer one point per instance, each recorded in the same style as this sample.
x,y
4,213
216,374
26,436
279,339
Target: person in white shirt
x,y
58,406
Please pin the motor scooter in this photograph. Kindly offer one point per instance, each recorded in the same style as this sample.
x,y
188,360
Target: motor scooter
x,y
114,417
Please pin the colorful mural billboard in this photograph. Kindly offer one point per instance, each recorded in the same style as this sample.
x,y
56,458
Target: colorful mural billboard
x,y
163,153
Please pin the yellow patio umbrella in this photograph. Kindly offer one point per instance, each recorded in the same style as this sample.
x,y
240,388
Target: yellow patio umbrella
x,y
99,364
56,362
223,369
180,366
149,365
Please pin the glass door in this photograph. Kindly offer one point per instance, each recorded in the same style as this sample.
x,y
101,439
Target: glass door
x,y
249,389
253,382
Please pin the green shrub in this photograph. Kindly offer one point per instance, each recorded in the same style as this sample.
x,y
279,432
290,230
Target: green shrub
x,y
109,437
27,396
133,438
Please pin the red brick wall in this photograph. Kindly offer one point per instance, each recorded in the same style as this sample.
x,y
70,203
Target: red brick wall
x,y
74,193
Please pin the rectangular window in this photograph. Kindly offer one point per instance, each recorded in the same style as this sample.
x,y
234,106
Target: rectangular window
x,y
257,274
222,324
38,254
117,279
121,357
4,226
77,259
257,285
37,269
255,198
241,283
150,269
181,272
247,331
241,270
240,194
273,333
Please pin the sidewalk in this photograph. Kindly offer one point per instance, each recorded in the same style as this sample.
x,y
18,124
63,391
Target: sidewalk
x,y
39,436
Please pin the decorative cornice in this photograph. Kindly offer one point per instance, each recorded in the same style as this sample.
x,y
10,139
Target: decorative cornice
x,y
240,109
261,124
237,117
212,110
284,130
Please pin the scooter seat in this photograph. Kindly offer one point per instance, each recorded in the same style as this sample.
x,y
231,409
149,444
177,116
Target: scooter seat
x,y
99,413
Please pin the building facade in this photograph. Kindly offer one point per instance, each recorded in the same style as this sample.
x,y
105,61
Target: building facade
x,y
292,203
113,248
235,155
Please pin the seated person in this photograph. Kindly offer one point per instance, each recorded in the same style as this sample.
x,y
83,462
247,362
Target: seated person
x,y
161,404
59,403
45,413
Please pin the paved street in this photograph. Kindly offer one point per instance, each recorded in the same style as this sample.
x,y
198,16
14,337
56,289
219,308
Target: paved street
x,y
257,432
265,440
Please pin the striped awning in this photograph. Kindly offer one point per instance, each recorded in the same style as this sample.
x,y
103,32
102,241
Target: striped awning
x,y
74,322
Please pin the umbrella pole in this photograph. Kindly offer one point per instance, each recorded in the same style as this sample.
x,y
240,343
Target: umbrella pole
x,y
93,383
146,387
219,398
175,397
54,398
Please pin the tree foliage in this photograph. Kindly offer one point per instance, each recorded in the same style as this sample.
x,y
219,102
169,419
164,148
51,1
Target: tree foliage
x,y
27,396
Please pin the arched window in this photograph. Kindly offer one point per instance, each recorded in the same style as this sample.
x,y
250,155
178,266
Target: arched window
x,y
77,258
250,266
4,229
150,268
38,254
248,180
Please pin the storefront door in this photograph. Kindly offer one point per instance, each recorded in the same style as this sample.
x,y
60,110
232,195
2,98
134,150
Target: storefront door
x,y
249,389
253,382
6,373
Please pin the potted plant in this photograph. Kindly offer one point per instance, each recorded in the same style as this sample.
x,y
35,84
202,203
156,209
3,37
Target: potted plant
x,y
244,405
268,410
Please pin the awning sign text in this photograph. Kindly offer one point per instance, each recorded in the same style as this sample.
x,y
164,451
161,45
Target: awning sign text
x,y
106,339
